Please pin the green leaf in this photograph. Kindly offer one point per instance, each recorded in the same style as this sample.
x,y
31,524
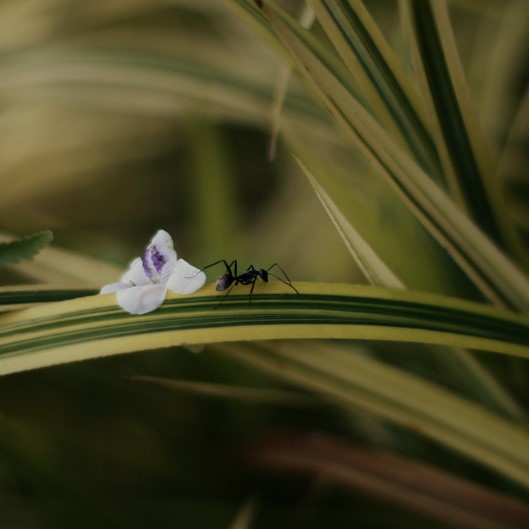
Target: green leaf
x,y
356,381
373,268
12,298
95,326
459,140
378,230
380,76
23,249
492,272
230,93
460,365
57,266
230,392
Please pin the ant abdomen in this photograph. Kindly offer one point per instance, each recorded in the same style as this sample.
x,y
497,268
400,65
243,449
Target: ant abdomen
x,y
223,283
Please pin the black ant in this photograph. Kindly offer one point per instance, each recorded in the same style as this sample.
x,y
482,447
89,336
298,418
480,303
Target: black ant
x,y
249,277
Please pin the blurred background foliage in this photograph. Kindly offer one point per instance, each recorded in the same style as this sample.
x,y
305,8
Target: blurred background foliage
x,y
158,115
118,118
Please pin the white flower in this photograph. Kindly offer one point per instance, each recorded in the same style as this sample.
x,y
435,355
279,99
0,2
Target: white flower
x,y
144,286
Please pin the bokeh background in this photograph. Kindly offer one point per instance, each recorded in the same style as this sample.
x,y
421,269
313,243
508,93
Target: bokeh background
x,y
117,119
124,117
121,117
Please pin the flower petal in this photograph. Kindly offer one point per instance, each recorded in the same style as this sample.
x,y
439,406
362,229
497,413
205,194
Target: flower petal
x,y
159,258
135,275
143,299
114,287
185,278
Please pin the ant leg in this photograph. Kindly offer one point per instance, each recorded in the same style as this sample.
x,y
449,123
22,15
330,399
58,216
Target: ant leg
x,y
225,295
234,264
223,261
287,282
252,287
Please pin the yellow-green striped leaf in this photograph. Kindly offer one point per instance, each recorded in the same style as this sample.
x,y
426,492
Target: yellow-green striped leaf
x,y
484,263
95,326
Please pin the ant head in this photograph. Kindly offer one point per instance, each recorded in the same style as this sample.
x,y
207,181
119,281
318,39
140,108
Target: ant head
x,y
223,282
263,274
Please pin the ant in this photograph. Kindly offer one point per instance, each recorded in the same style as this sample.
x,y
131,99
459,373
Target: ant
x,y
249,277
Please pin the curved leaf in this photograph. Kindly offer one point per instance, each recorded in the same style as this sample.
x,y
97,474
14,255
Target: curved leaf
x,y
496,276
460,365
95,326
356,381
459,139
381,77
12,298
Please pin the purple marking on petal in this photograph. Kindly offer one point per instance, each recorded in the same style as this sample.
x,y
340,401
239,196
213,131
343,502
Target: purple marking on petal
x,y
158,259
146,267
153,262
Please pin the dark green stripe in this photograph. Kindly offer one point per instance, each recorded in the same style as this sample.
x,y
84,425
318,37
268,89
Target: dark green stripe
x,y
416,205
42,296
389,89
477,267
451,120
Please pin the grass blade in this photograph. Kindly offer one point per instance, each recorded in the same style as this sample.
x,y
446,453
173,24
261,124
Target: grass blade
x,y
458,135
493,273
13,298
355,381
381,78
460,365
229,392
95,326
373,268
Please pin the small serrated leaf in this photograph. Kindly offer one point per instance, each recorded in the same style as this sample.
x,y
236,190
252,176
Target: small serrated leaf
x,y
24,249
